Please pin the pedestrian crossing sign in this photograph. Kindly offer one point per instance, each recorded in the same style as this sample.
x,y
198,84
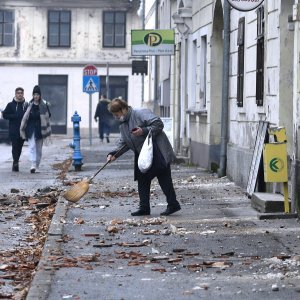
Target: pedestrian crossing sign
x,y
91,84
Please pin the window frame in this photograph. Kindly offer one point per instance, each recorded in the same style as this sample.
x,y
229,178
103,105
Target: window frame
x,y
104,45
241,67
3,33
260,66
203,72
59,23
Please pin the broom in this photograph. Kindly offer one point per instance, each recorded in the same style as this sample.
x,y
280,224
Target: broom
x,y
77,191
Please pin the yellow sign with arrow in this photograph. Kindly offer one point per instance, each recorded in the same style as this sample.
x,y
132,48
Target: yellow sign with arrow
x,y
275,162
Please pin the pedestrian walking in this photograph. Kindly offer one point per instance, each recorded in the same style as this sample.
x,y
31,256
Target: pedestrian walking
x,y
104,118
135,125
35,127
14,113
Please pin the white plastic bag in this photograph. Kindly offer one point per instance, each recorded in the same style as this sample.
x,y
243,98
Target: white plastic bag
x,y
146,155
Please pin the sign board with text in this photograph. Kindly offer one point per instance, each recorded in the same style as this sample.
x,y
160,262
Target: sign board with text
x,y
245,5
152,42
90,70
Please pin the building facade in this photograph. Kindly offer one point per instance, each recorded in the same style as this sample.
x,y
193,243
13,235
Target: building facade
x,y
231,69
46,43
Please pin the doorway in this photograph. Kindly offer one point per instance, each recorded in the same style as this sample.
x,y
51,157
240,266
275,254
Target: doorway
x,y
54,90
118,88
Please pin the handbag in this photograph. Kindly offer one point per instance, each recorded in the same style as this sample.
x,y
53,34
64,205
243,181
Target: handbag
x,y
146,155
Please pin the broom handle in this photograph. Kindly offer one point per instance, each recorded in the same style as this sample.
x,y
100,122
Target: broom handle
x,y
106,163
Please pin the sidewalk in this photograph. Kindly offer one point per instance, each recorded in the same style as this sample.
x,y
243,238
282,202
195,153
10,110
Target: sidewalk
x,y
214,248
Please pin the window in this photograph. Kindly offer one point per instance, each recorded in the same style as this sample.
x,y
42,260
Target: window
x,y
114,27
260,57
203,79
240,74
7,32
59,28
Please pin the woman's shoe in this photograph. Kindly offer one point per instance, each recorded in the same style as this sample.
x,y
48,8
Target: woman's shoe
x,y
15,167
32,169
141,212
170,210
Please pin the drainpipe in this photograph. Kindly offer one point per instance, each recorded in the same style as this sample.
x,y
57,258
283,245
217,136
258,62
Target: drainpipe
x,y
296,96
225,84
156,109
178,100
143,58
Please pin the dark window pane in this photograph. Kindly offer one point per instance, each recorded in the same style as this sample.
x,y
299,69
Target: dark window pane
x,y
54,29
64,40
119,29
108,29
108,17
59,28
65,17
8,40
53,40
8,16
64,29
119,41
114,25
120,17
54,16
8,28
108,41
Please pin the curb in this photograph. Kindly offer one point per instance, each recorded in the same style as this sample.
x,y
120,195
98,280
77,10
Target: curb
x,y
41,283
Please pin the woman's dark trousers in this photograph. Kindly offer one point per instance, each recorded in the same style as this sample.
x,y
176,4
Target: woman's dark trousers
x,y
165,181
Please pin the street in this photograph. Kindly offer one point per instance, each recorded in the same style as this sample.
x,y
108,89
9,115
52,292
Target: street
x,y
215,247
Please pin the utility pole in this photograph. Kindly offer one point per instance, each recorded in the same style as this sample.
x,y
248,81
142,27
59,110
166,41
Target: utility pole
x,y
107,81
143,27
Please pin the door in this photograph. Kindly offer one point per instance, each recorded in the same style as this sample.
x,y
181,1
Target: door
x,y
118,88
54,90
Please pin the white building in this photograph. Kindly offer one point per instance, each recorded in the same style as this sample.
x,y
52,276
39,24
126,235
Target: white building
x,y
231,69
46,43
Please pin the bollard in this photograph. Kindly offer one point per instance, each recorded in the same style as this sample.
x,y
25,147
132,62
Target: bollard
x,y
77,158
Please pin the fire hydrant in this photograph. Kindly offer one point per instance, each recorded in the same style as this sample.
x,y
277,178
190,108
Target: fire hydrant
x,y
77,158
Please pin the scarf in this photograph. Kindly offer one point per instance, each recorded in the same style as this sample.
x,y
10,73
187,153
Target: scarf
x,y
45,120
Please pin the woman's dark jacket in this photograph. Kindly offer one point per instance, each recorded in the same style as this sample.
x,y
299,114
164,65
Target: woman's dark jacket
x,y
147,120
34,123
103,114
14,113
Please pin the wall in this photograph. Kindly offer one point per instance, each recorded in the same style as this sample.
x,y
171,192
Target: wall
x,y
21,64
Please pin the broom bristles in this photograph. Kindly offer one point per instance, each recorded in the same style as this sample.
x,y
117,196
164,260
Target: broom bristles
x,y
76,192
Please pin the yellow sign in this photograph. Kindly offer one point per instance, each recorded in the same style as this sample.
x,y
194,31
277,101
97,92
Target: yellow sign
x,y
275,163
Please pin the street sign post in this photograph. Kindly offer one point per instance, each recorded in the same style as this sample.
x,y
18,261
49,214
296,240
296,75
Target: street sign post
x,y
91,84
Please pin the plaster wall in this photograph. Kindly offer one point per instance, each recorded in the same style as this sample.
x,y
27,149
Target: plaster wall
x,y
77,100
30,56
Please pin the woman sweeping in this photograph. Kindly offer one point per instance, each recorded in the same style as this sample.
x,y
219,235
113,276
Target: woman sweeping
x,y
35,127
135,125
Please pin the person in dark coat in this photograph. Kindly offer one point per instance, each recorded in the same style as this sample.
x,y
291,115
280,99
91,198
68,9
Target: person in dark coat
x,y
35,127
104,118
14,113
135,125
